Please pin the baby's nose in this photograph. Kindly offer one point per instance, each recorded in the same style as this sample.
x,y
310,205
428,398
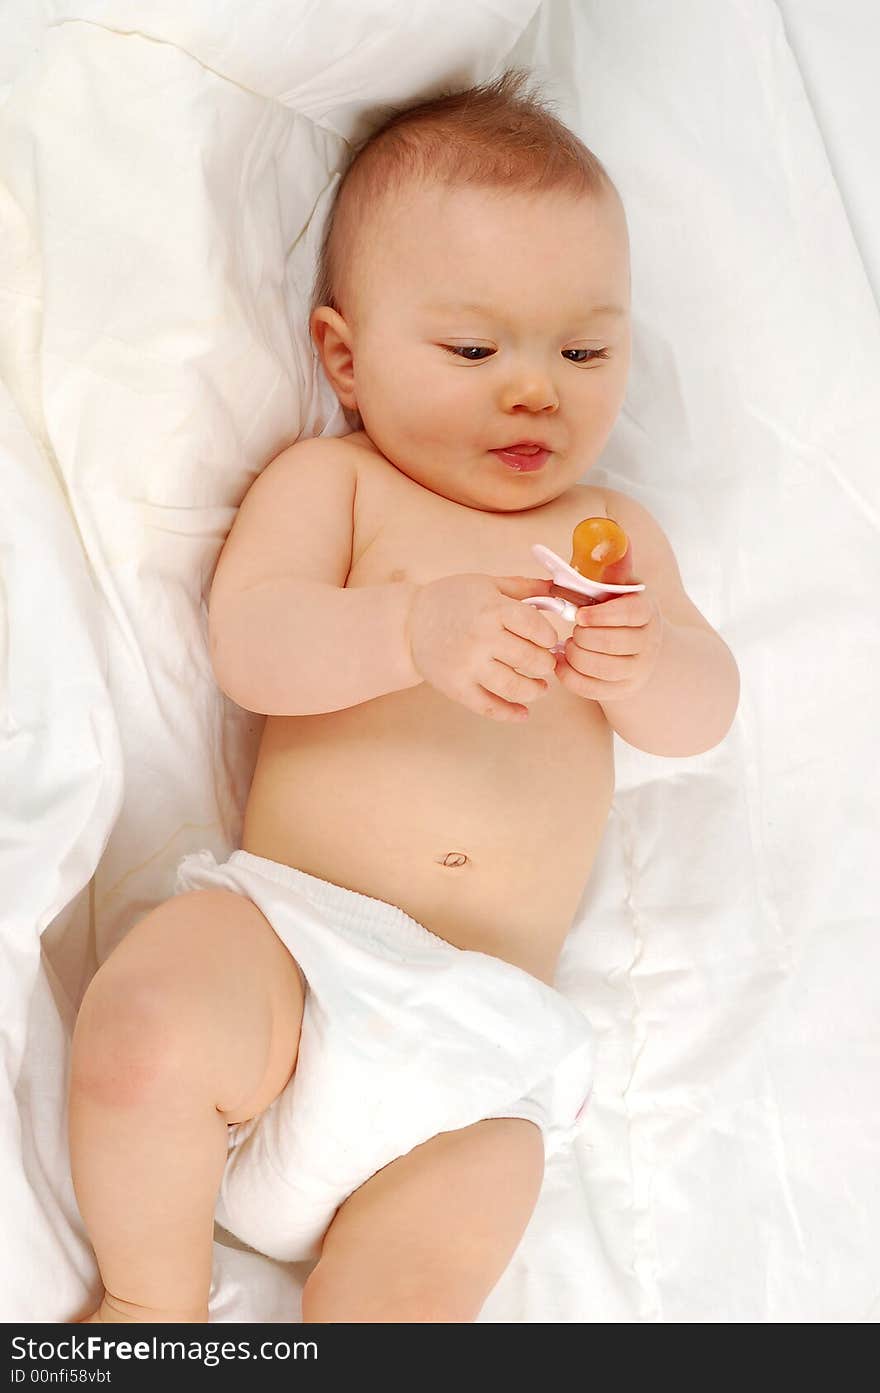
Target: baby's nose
x,y
535,392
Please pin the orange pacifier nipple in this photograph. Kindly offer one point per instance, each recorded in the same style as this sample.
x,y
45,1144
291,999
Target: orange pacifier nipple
x,y
599,548
595,544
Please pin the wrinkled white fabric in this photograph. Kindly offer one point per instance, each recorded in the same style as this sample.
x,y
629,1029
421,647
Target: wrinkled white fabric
x,y
163,182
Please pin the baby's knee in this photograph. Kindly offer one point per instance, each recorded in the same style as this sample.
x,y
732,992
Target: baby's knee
x,y
129,1047
199,1002
331,1297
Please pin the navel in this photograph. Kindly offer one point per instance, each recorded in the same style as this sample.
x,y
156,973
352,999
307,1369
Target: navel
x,y
453,858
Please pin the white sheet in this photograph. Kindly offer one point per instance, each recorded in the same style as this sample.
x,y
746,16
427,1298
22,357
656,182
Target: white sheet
x,y
162,185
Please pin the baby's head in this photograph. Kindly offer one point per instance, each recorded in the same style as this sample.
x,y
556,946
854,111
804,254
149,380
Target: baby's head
x,y
473,292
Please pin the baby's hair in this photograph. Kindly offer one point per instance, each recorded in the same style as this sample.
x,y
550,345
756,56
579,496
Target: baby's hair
x,y
497,135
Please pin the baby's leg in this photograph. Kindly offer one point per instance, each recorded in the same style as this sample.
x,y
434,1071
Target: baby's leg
x,y
193,1022
426,1238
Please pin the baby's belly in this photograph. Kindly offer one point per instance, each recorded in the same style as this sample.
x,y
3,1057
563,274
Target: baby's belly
x,y
484,832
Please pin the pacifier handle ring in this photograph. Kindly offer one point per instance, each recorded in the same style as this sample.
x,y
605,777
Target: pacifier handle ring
x,y
566,609
567,578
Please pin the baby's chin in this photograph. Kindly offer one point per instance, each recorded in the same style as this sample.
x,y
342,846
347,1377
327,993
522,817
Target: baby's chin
x,y
462,483
494,503
519,493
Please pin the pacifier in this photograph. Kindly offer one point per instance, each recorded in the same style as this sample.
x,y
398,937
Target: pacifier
x,y
595,544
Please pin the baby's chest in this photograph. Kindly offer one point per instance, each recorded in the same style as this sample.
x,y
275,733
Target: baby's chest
x,y
407,533
395,555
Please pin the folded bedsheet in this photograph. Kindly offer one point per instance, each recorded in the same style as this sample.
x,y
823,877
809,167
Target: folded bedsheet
x,y
163,183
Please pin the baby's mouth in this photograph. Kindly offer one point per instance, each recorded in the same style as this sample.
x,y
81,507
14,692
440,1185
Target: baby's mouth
x,y
524,459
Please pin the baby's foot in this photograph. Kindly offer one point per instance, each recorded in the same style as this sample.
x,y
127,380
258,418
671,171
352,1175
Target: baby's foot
x,y
113,1312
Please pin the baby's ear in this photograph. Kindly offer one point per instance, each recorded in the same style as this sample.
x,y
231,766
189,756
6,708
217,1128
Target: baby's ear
x,y
332,338
325,319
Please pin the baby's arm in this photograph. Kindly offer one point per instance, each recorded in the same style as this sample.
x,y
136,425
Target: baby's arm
x,y
278,595
688,704
287,638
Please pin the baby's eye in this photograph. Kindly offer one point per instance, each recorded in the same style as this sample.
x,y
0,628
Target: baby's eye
x,y
469,348
468,352
590,352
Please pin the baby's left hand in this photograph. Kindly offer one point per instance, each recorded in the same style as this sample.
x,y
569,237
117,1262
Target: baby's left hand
x,y
614,647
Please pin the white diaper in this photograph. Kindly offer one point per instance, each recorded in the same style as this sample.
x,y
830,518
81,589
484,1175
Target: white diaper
x,y
403,1036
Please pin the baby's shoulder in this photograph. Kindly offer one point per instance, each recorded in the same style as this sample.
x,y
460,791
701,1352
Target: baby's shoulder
x,y
361,446
634,517
374,472
586,501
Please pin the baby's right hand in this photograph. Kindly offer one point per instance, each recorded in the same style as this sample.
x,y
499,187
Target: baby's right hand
x,y
472,640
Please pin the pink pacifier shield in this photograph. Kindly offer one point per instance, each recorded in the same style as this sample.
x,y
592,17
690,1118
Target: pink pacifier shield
x,y
568,578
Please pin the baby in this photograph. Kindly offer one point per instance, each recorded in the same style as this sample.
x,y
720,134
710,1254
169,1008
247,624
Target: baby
x,y
345,1043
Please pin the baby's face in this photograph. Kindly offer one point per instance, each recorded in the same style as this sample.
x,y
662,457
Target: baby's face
x,y
481,321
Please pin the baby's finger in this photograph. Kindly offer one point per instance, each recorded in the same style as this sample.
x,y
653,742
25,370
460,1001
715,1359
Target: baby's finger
x,y
485,703
621,572
505,682
624,641
575,682
607,667
532,659
631,611
530,623
521,587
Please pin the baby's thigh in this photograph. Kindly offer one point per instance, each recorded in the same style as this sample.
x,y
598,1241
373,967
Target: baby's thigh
x,y
427,1238
201,983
